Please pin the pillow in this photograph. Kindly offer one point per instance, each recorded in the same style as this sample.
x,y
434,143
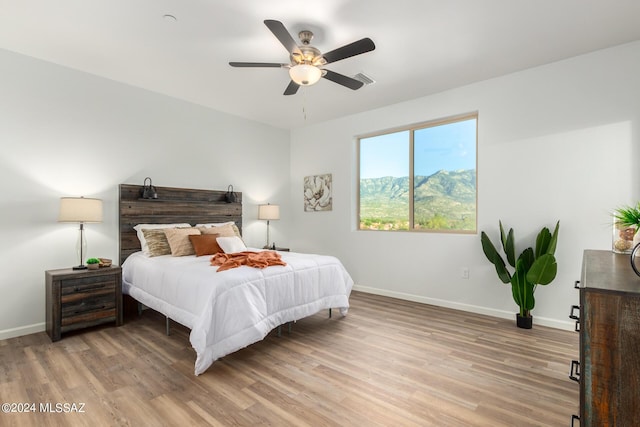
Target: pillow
x,y
233,225
205,244
231,245
140,234
221,231
179,240
214,224
157,242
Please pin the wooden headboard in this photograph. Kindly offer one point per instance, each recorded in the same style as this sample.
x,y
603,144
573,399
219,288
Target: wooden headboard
x,y
173,205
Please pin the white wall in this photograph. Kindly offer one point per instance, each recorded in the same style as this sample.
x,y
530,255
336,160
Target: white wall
x,y
558,142
68,133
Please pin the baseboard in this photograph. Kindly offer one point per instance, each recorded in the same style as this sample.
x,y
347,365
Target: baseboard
x,y
542,321
22,330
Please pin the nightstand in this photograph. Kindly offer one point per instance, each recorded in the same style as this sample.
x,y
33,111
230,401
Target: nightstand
x,y
78,299
276,248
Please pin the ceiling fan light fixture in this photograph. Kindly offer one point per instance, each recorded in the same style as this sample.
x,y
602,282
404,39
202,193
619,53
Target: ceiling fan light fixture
x,y
305,74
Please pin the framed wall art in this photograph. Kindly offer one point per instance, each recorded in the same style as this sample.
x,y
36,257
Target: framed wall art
x,y
317,193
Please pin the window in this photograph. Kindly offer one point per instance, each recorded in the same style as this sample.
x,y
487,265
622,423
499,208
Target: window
x,y
420,178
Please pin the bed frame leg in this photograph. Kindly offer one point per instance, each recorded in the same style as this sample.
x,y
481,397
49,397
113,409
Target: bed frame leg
x,y
279,330
329,313
168,326
139,309
289,327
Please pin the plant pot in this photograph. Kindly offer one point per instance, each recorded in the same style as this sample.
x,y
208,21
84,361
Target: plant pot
x,y
524,322
623,238
93,266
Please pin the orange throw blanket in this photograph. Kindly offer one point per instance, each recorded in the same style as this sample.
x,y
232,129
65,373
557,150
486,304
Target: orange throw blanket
x,y
250,259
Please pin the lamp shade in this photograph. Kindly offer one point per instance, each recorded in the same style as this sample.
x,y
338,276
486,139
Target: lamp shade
x,y
80,209
268,212
305,74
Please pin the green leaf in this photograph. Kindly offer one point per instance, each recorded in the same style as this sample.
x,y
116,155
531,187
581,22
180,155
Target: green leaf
x,y
510,248
542,241
487,247
543,270
503,237
517,287
492,255
522,289
527,259
545,242
530,301
508,245
554,240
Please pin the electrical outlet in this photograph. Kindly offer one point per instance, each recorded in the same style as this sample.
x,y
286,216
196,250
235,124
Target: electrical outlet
x,y
465,272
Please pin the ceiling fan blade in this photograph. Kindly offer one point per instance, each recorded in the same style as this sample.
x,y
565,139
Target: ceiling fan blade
x,y
352,49
343,80
292,88
281,33
257,64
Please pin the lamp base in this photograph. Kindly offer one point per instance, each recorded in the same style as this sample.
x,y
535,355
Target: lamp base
x,y
80,267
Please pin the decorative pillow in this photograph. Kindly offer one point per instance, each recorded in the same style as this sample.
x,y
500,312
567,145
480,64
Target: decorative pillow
x,y
231,245
214,224
140,234
157,242
233,225
205,244
221,231
179,240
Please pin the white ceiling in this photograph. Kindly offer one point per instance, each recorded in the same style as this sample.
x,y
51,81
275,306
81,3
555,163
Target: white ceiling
x,y
422,46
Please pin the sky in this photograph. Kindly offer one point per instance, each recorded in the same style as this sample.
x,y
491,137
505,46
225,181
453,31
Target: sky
x,y
446,147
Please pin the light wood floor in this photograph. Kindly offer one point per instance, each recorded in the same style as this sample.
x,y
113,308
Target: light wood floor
x,y
388,363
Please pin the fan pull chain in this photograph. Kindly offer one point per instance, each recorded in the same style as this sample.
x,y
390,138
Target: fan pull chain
x,y
304,103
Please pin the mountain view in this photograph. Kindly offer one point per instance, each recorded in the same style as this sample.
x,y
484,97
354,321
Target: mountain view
x,y
445,200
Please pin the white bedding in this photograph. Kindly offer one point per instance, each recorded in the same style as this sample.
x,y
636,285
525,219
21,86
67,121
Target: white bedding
x,y
229,310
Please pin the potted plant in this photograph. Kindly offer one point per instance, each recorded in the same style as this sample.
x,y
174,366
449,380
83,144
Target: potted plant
x,y
626,226
93,263
530,269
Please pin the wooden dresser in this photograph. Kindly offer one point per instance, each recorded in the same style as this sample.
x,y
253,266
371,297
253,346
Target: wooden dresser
x,y
609,341
81,298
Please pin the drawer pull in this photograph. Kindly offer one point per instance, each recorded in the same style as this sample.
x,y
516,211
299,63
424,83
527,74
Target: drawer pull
x,y
573,419
576,284
572,315
84,311
88,288
575,371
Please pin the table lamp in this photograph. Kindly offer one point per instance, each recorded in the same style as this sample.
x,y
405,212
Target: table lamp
x,y
268,212
80,210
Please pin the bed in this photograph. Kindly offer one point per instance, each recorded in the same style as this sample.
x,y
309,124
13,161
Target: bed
x,y
225,310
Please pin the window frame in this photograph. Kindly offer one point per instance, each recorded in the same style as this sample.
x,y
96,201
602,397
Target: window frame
x,y
412,129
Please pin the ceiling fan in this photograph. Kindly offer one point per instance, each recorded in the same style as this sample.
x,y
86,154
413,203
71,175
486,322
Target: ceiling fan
x,y
307,61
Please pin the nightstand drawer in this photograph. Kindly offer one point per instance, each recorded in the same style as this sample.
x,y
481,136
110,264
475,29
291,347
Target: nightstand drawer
x,y
83,320
88,284
79,303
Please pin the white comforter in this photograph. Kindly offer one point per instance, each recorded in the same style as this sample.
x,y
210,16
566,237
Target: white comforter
x,y
229,310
